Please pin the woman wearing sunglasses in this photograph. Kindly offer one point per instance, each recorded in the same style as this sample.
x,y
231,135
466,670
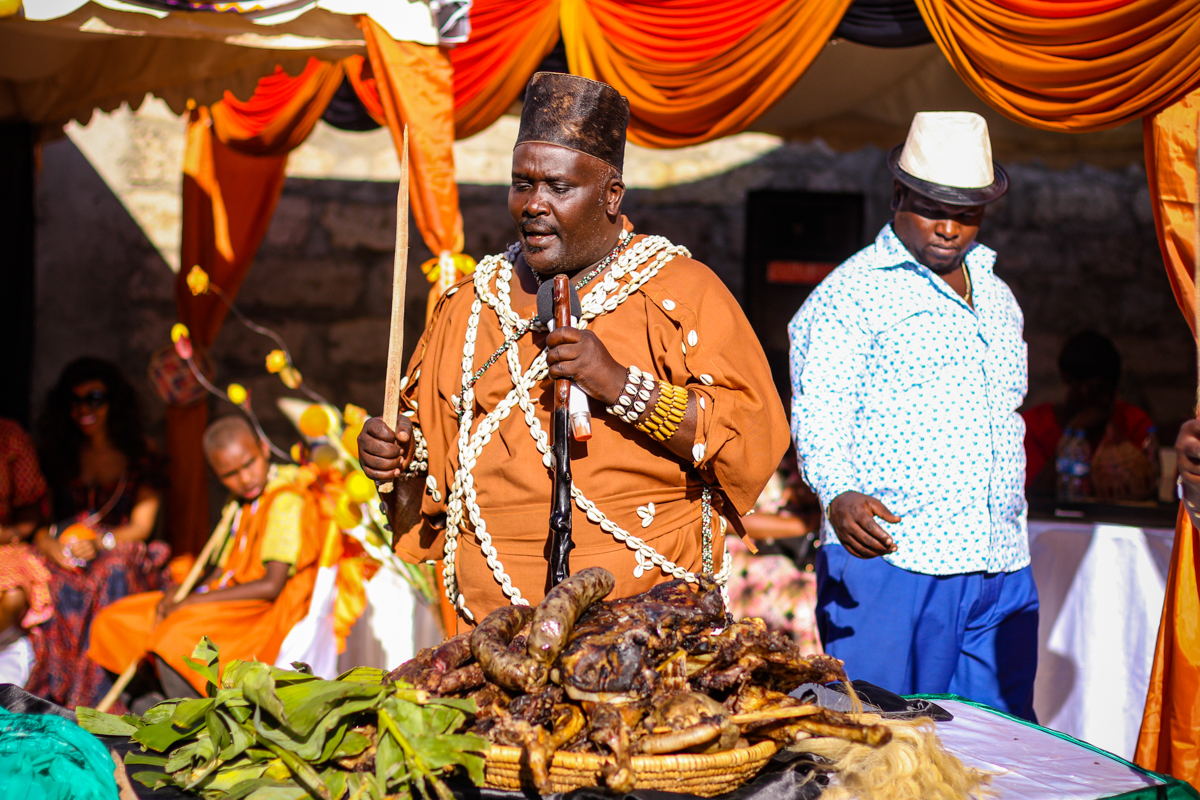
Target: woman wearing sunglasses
x,y
106,487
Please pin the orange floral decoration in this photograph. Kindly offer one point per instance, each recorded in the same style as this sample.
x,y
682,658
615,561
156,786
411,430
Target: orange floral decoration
x,y
237,394
315,421
355,567
277,361
197,281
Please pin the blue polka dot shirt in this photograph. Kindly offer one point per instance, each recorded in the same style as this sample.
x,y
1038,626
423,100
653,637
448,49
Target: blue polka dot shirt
x,y
904,392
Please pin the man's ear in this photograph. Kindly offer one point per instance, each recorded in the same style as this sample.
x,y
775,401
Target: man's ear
x,y
898,190
614,193
264,448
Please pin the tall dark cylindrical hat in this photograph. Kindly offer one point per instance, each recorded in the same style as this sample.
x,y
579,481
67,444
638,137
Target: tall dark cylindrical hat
x,y
577,113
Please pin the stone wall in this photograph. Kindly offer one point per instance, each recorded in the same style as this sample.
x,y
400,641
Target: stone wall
x,y
1077,246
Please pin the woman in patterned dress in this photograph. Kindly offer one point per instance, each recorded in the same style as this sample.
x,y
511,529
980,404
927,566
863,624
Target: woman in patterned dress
x,y
102,477
778,583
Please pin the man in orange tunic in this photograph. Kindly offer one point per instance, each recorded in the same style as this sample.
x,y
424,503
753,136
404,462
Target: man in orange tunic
x,y
686,424
260,584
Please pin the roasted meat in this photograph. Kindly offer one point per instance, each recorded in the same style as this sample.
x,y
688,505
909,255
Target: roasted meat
x,y
617,645
667,671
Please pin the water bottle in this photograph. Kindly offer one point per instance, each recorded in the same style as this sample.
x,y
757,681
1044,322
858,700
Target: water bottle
x,y
1074,467
1064,465
1081,469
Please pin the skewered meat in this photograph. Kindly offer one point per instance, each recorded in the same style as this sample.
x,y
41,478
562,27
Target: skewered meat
x,y
556,615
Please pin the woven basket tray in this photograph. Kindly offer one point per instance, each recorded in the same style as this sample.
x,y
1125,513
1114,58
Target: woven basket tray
x,y
704,775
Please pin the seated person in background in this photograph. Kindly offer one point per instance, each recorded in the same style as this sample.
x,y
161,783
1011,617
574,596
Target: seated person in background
x,y
106,484
1121,438
259,587
25,599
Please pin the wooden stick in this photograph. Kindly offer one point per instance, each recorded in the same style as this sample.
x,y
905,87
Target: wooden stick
x,y
771,715
1196,263
395,363
218,537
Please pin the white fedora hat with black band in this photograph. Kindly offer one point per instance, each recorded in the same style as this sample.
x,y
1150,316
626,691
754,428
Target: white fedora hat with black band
x,y
948,157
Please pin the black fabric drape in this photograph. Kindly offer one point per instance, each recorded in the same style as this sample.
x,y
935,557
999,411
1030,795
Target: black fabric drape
x,y
884,23
346,111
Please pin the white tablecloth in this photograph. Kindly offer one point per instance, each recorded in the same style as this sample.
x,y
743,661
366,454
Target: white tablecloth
x,y
1031,764
1101,589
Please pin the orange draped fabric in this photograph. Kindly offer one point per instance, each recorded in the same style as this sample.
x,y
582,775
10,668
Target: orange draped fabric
x,y
362,78
1170,735
693,70
1080,65
696,70
509,38
414,85
1170,738
1169,138
232,177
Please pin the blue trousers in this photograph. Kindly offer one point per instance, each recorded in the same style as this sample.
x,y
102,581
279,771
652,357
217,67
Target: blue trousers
x,y
973,635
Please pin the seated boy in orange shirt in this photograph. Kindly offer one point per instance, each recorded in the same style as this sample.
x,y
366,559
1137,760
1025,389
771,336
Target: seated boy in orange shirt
x,y
258,588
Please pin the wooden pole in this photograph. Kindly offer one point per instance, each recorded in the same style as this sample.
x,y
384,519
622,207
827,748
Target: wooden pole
x,y
218,537
395,363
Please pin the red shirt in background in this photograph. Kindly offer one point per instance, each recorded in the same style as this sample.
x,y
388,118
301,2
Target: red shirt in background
x,y
1042,433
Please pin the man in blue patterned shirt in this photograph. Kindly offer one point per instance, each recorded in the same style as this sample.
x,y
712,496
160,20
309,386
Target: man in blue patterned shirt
x,y
908,366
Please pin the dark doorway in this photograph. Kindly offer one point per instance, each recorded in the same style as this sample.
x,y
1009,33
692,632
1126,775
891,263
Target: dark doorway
x,y
16,270
793,240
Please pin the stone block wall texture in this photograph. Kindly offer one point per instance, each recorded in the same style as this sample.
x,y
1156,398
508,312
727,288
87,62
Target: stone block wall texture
x,y
1076,245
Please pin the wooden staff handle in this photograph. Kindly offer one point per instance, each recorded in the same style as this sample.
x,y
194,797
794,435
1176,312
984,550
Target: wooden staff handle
x,y
218,537
395,362
562,319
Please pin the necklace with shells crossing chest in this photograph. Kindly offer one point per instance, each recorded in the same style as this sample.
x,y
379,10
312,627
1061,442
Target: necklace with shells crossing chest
x,y
650,254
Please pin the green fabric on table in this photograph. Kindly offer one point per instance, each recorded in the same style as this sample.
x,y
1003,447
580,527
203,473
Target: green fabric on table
x,y
44,757
1171,788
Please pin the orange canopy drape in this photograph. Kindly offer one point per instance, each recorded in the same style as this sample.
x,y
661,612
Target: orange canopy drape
x,y
1169,138
696,70
232,178
693,70
414,85
509,38
1071,65
1170,737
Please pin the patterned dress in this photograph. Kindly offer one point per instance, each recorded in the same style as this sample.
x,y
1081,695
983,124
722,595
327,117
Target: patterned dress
x,y
22,486
62,672
778,583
